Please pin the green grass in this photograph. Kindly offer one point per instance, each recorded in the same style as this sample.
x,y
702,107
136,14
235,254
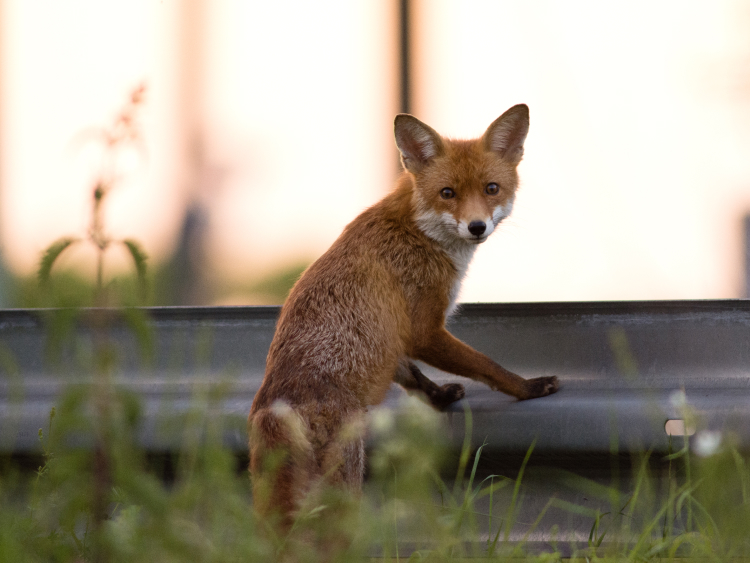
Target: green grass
x,y
95,498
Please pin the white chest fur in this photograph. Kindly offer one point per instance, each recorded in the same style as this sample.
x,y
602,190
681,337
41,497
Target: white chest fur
x,y
461,256
443,229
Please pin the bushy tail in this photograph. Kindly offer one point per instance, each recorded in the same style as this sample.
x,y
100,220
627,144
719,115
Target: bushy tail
x,y
281,462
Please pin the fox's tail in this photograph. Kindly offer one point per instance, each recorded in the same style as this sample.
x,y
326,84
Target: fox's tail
x,y
281,462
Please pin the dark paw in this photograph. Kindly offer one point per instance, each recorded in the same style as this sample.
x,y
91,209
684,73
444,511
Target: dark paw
x,y
453,392
541,387
447,394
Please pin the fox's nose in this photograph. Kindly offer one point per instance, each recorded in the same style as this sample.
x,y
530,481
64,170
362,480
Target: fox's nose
x,y
477,228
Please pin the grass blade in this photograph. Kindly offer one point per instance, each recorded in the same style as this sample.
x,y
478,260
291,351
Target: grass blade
x,y
139,260
516,489
51,255
465,451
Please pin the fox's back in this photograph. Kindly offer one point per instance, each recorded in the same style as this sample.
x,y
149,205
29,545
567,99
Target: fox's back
x,y
347,321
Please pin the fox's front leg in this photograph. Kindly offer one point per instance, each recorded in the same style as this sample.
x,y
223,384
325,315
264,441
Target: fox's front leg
x,y
410,377
442,350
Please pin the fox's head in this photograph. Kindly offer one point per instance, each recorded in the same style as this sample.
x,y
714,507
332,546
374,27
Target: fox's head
x,y
463,189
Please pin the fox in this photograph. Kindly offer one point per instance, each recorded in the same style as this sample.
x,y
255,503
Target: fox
x,y
377,301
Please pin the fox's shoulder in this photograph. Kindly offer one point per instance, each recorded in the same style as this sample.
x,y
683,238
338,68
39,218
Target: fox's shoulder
x,y
390,231
384,240
389,222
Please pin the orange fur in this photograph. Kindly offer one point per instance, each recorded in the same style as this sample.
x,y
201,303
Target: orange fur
x,y
377,299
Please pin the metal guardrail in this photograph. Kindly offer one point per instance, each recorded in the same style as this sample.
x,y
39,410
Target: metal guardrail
x,y
619,364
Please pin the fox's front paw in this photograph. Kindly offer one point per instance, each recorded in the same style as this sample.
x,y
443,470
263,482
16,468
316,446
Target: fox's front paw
x,y
453,392
447,394
540,387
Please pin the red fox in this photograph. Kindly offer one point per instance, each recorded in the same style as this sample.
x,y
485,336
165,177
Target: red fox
x,y
375,301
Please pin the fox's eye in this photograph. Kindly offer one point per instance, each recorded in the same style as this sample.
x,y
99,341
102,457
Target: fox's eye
x,y
492,188
447,193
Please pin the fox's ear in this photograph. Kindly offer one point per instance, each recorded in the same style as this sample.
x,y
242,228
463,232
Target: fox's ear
x,y
508,132
418,143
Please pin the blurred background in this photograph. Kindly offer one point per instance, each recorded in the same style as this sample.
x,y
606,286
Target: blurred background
x,y
266,127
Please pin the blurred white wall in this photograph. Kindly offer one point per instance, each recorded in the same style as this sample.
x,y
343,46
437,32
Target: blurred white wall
x,y
278,115
299,114
636,173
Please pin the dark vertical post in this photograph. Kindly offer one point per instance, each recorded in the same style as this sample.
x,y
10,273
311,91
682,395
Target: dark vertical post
x,y
404,56
746,241
187,282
